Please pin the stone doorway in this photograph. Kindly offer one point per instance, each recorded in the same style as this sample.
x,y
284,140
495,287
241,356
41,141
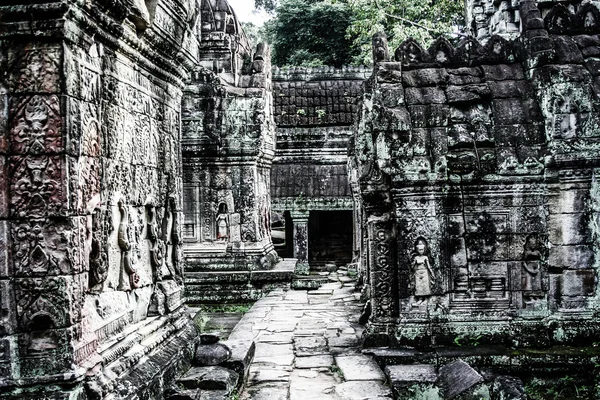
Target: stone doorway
x,y
329,238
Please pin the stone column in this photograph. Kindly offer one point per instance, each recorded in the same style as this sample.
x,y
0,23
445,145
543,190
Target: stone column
x,y
300,223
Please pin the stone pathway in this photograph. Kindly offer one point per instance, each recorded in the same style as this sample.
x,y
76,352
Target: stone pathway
x,y
308,346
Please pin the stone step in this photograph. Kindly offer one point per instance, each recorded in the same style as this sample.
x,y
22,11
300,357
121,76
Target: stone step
x,y
308,282
497,358
237,286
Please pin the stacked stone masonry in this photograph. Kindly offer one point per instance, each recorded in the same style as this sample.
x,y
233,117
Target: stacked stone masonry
x,y
141,142
476,167
314,111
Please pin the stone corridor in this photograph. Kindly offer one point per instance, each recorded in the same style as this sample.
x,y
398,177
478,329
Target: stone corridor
x,y
308,346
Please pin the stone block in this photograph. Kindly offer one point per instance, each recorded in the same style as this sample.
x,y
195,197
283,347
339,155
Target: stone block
x,y
503,72
35,68
578,282
242,354
389,72
510,88
568,229
359,368
425,95
38,186
567,51
211,354
429,116
403,375
359,390
571,257
173,294
413,381
210,378
425,77
457,378
392,95
515,111
569,201
467,93
465,76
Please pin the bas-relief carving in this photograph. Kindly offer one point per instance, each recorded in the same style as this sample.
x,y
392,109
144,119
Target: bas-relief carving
x,y
36,125
128,278
423,273
37,185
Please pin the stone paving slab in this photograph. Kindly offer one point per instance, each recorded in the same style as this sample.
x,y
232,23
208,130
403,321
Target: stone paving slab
x,y
325,360
360,390
300,336
266,391
316,385
359,368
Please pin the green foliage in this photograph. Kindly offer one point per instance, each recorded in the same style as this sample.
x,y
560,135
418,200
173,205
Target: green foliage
x,y
267,5
563,388
335,370
423,20
256,34
466,340
310,33
226,308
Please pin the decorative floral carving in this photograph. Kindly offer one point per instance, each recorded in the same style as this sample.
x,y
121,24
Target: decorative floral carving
x,y
36,70
35,185
37,125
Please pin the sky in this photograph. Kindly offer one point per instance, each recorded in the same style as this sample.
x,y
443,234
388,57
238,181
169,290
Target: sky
x,y
244,9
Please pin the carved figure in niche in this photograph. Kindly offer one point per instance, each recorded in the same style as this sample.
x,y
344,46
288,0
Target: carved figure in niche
x,y
175,238
380,48
157,247
125,246
531,273
222,223
98,264
422,270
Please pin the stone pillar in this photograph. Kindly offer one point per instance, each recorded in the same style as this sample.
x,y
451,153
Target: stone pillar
x,y
300,223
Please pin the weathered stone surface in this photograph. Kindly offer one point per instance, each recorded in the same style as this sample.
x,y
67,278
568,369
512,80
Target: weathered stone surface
x,y
211,354
357,390
359,368
457,378
409,374
210,378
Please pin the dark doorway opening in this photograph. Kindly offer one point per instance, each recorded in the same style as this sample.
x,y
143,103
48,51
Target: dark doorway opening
x,y
329,238
282,233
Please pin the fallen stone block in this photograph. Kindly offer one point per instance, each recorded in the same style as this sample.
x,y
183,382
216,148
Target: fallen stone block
x,y
210,378
459,380
413,381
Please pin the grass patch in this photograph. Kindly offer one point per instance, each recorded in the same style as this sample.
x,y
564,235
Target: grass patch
x,y
335,370
226,308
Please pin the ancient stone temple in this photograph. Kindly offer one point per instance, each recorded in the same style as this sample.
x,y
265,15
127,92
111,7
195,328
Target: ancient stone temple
x,y
476,166
91,261
228,144
314,112
150,158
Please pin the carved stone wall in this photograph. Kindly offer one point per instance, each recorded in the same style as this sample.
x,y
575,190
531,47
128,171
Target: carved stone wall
x,y
314,111
90,203
486,18
476,170
228,147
